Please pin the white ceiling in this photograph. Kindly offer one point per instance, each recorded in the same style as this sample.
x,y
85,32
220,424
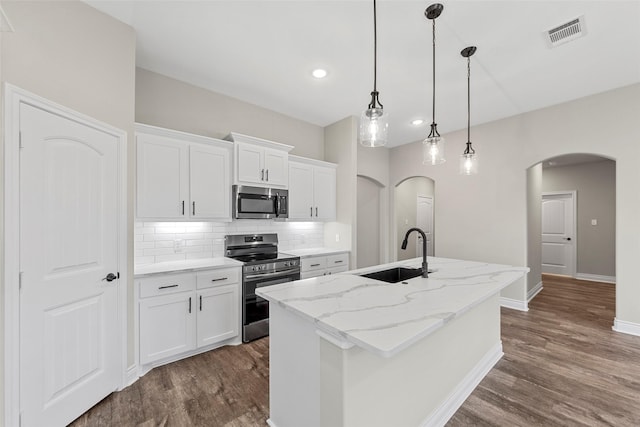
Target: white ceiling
x,y
263,52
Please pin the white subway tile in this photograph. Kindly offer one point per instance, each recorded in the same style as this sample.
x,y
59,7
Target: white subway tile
x,y
174,257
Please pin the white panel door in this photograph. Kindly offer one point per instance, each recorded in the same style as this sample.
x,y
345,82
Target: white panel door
x,y
324,193
162,178
209,182
424,221
558,240
300,191
218,314
70,353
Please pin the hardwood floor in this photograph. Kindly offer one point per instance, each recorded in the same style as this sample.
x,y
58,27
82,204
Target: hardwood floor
x,y
563,366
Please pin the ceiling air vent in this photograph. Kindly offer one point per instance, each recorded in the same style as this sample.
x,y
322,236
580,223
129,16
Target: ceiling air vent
x,y
566,32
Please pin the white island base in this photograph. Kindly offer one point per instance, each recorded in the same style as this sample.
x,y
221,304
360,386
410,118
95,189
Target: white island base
x,y
318,379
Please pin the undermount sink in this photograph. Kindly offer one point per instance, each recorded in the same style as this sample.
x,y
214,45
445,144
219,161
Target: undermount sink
x,y
394,275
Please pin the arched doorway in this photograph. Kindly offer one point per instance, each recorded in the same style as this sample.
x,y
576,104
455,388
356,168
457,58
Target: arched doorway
x,y
409,195
592,181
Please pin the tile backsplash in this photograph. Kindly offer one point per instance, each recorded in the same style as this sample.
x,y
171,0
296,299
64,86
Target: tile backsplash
x,y
173,241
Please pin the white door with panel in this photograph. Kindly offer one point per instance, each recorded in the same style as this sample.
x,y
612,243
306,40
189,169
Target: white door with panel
x,y
218,314
424,221
558,234
324,193
209,181
300,191
70,347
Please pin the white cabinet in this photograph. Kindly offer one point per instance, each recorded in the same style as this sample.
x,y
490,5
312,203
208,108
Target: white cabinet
x,y
322,265
312,190
185,312
260,162
182,176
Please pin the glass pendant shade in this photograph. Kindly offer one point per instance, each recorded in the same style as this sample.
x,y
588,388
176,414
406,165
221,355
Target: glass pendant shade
x,y
374,127
433,151
469,164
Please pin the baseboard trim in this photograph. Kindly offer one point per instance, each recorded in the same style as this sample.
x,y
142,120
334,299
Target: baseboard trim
x,y
514,304
132,375
445,411
534,291
626,327
596,278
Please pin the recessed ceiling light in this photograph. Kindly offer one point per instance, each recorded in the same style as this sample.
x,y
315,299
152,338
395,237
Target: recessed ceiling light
x,y
417,122
319,73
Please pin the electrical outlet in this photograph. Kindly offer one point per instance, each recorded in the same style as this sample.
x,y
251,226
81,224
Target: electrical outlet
x,y
594,222
178,246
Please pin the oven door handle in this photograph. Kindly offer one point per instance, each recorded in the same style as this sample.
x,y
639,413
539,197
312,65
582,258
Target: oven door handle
x,y
278,273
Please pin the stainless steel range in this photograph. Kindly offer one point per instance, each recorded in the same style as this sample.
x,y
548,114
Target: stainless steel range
x,y
263,266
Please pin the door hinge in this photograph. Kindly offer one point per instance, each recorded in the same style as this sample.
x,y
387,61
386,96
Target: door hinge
x,y
20,139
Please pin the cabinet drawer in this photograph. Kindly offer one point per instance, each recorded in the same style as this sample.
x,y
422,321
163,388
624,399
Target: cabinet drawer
x,y
338,260
167,284
218,277
313,263
336,270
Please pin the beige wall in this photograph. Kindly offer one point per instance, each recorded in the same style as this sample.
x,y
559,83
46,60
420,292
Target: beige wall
x,y
341,148
484,217
76,56
170,103
368,222
595,184
534,228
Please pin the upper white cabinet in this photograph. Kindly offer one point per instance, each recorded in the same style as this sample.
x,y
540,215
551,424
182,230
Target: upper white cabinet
x,y
181,176
259,162
312,189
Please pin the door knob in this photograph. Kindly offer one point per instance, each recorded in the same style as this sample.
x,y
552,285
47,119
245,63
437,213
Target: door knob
x,y
110,277
567,238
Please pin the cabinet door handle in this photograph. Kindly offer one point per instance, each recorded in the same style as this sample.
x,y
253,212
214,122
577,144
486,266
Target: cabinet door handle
x,y
311,211
314,265
189,304
316,211
262,176
183,207
193,208
267,175
200,302
167,286
217,280
337,262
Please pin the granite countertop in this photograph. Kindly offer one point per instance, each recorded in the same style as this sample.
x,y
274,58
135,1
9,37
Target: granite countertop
x,y
386,318
309,252
183,266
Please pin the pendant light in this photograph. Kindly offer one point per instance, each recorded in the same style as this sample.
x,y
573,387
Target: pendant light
x,y
433,146
374,121
468,159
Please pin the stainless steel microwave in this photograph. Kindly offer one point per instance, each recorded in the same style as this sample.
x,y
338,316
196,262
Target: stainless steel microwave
x,y
259,203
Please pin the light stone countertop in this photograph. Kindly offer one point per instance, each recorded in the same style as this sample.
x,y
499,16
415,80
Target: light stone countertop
x,y
310,252
184,266
386,318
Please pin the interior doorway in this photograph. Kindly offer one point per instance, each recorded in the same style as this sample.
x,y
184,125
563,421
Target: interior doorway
x,y
407,195
593,178
424,221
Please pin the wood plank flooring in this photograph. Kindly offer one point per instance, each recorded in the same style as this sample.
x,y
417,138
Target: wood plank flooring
x,y
563,366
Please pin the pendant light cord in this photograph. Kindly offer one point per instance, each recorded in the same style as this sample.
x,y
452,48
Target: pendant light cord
x,y
433,119
375,102
468,99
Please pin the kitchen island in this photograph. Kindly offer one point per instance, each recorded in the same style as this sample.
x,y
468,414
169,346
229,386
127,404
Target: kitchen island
x,y
351,351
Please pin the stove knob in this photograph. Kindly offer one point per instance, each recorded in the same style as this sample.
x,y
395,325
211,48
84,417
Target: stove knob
x,y
253,268
286,263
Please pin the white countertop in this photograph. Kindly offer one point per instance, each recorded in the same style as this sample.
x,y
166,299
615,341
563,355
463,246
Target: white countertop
x,y
386,318
309,252
184,265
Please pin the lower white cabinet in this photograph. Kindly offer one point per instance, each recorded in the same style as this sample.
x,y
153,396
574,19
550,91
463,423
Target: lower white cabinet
x,y
183,312
322,265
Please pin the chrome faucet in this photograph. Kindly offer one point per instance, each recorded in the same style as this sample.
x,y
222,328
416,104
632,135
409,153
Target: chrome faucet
x,y
425,267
